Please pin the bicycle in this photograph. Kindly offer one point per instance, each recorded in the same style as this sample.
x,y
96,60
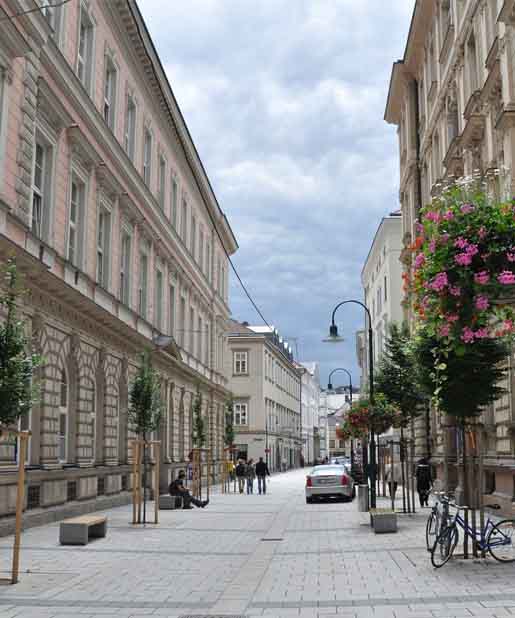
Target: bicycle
x,y
437,519
496,538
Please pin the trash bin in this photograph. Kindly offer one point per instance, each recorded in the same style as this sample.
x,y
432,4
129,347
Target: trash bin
x,y
362,498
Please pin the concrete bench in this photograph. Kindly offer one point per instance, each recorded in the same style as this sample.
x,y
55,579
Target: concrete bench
x,y
383,520
167,502
78,530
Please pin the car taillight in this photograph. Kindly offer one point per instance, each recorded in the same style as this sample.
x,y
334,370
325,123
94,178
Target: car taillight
x,y
309,482
345,480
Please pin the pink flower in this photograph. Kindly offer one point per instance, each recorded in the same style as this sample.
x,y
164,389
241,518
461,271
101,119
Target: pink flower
x,y
482,277
420,260
444,238
510,256
419,228
439,282
466,208
444,330
461,243
482,303
481,333
506,277
463,259
467,335
433,216
432,246
452,317
482,232
508,325
472,249
448,216
454,290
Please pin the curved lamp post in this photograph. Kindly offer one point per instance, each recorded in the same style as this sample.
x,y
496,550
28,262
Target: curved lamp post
x,y
335,338
329,388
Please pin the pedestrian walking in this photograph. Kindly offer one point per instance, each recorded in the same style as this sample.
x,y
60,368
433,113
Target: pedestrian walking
x,y
241,470
424,481
393,475
251,475
262,472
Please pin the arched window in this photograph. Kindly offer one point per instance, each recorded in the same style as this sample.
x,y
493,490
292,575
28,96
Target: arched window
x,y
63,417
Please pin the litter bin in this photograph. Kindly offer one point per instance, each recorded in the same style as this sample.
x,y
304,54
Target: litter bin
x,y
362,498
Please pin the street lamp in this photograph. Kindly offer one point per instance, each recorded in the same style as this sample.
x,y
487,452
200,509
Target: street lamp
x,y
329,388
335,338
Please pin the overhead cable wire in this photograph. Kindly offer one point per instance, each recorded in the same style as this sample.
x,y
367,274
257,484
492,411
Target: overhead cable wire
x,y
34,10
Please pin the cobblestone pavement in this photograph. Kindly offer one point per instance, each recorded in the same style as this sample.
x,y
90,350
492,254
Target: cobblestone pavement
x,y
272,555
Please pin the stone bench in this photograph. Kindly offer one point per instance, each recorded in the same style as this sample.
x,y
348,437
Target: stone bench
x,y
383,520
167,502
79,530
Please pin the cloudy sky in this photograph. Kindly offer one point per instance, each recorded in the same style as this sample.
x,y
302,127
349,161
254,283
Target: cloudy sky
x,y
285,101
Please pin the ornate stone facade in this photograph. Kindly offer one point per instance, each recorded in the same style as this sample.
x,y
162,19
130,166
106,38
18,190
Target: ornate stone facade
x,y
120,239
452,98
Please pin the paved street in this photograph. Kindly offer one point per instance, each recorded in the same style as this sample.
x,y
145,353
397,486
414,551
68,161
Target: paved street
x,y
255,555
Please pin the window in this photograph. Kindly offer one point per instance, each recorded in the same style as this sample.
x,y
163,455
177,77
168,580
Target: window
x,y
162,182
200,334
159,300
109,93
173,203
219,276
85,51
193,236
171,311
125,263
184,223
143,284
53,16
385,288
63,418
240,414
130,127
103,246
182,323
147,157
41,179
77,201
201,249
206,346
191,325
240,363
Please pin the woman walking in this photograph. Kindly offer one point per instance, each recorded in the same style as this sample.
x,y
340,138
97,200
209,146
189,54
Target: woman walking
x,y
424,481
251,475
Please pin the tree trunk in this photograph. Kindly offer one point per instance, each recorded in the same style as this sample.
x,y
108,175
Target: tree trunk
x,y
144,477
403,476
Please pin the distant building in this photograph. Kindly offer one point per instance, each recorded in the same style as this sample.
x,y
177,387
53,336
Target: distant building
x,y
381,278
310,432
266,386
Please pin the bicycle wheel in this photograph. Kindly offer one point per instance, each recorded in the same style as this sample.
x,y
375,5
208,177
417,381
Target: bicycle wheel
x,y
431,530
501,541
444,546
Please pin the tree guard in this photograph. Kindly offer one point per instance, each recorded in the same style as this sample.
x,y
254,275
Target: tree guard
x,y
199,456
138,448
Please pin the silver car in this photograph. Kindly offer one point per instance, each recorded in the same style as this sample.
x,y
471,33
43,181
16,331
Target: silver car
x,y
330,481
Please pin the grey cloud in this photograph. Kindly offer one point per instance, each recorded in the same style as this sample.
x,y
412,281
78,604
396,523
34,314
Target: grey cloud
x,y
285,100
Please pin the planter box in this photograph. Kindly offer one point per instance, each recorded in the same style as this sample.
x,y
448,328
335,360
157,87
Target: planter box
x,y
383,520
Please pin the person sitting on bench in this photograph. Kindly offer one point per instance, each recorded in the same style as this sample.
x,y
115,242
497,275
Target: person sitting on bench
x,y
177,489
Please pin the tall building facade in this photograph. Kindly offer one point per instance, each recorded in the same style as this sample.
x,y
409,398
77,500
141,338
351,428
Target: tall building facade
x,y
266,386
310,398
381,278
106,206
452,98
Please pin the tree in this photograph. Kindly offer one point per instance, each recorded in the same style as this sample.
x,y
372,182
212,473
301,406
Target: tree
x,y
397,375
18,391
198,434
145,409
229,427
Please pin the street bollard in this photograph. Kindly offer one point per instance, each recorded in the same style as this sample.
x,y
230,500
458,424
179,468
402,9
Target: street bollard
x,y
363,498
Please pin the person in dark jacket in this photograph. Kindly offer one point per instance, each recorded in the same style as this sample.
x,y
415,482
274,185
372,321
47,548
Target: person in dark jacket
x,y
241,475
424,481
262,472
177,489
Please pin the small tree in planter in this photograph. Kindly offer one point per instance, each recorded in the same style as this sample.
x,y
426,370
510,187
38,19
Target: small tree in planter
x,y
145,409
18,392
229,427
198,433
463,280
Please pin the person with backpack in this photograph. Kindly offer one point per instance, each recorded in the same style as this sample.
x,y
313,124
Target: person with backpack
x,y
251,475
262,472
241,474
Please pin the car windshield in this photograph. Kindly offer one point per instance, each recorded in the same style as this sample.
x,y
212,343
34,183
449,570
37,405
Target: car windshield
x,y
328,470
